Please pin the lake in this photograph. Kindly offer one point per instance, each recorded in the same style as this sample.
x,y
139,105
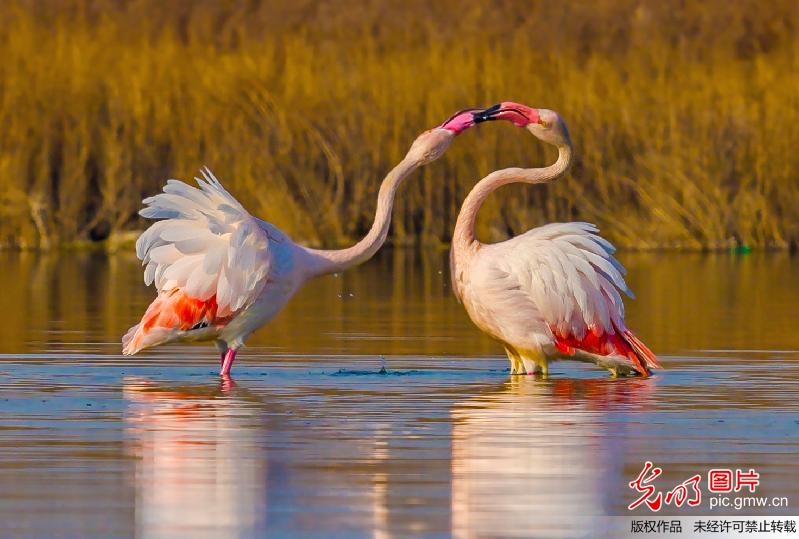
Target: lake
x,y
373,407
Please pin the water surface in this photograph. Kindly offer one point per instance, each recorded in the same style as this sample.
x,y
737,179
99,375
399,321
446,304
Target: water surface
x,y
372,407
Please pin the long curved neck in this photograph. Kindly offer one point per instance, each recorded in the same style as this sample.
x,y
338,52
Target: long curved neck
x,y
331,261
464,236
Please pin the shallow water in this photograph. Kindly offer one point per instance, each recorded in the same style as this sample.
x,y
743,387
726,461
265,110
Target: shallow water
x,y
372,407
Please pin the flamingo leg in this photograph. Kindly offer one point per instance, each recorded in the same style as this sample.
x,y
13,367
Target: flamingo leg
x,y
222,347
534,362
543,368
227,362
516,365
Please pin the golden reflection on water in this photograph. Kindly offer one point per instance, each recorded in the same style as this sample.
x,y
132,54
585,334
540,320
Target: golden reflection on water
x,y
200,471
526,458
203,467
401,303
537,459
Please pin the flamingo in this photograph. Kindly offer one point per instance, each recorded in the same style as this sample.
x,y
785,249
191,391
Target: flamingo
x,y
221,273
553,292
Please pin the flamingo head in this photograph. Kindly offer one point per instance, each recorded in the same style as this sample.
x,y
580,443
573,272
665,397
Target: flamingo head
x,y
461,121
545,124
431,144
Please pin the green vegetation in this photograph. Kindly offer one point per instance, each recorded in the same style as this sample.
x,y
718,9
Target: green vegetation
x,y
685,116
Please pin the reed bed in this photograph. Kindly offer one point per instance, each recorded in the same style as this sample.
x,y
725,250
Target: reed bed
x,y
685,116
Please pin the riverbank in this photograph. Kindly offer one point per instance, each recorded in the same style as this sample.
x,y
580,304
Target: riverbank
x,y
126,241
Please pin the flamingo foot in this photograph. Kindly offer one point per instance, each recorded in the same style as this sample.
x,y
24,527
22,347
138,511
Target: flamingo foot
x,y
227,362
618,366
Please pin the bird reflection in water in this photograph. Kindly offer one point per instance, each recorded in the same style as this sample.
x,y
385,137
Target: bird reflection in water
x,y
540,458
199,471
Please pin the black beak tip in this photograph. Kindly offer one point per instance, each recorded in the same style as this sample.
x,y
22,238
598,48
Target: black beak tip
x,y
487,114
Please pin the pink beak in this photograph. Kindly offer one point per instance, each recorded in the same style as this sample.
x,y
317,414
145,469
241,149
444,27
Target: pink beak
x,y
518,114
460,121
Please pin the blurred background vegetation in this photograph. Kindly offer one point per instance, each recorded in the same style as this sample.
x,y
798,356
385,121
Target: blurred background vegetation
x,y
685,115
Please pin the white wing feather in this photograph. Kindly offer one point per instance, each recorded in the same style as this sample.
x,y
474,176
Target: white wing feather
x,y
563,275
206,245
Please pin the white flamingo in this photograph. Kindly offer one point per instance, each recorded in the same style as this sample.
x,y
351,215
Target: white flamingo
x,y
221,273
553,292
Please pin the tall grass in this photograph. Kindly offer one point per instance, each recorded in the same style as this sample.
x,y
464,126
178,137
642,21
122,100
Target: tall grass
x,y
685,117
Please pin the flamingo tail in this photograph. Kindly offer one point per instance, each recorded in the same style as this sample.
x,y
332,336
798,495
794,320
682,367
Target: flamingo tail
x,y
621,342
137,339
171,316
646,356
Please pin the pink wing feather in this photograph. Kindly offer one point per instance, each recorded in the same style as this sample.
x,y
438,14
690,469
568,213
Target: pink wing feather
x,y
208,258
561,282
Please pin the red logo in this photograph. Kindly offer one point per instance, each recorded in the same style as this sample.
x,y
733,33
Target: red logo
x,y
719,480
647,475
724,480
686,492
749,479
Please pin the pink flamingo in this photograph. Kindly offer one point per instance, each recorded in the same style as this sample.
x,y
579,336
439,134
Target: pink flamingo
x,y
553,292
221,273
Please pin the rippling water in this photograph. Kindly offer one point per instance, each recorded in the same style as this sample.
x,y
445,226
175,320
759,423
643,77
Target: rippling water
x,y
372,407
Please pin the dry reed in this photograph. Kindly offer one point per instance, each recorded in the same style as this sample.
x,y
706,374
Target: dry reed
x,y
684,117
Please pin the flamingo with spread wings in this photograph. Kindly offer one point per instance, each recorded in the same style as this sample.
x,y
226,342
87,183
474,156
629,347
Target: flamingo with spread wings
x,y
552,292
221,273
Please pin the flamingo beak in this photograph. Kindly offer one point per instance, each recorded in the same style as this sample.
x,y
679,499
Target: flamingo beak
x,y
518,114
460,121
488,114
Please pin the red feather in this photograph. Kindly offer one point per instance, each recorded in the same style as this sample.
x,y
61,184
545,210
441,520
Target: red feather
x,y
176,310
619,343
170,312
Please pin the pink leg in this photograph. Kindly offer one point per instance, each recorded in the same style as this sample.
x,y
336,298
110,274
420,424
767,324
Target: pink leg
x,y
227,362
222,359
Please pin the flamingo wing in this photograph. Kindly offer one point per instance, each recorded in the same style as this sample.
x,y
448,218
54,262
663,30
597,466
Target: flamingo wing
x,y
562,283
208,258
